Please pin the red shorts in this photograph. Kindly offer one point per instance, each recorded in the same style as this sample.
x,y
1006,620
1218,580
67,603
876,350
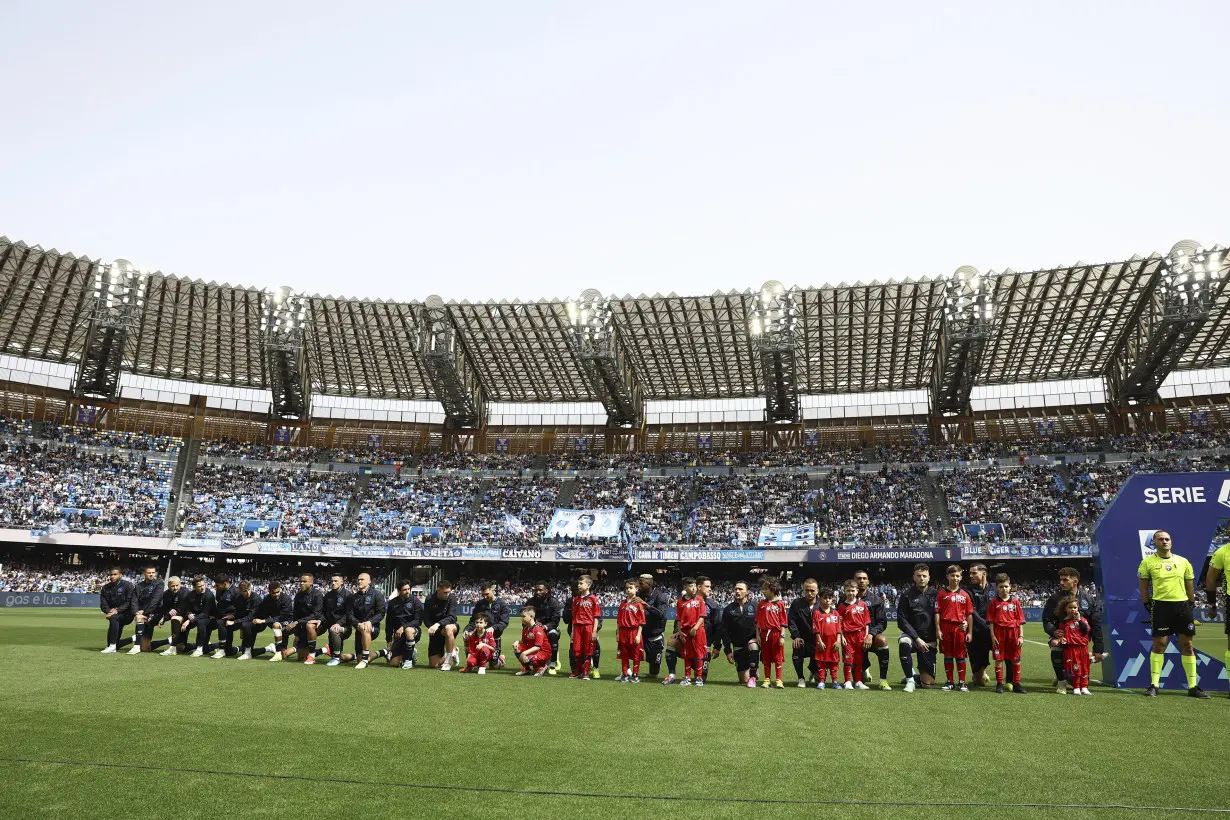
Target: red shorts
x,y
629,650
695,647
771,648
1009,648
829,654
1076,660
953,645
582,642
851,642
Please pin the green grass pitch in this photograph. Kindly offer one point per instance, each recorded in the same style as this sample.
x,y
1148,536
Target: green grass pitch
x,y
63,701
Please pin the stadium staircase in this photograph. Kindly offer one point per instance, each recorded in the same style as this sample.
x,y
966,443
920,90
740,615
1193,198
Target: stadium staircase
x,y
937,506
567,489
353,506
181,480
476,506
1065,475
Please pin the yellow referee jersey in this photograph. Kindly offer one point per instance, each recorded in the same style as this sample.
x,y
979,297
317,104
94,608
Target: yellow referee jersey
x,y
1221,561
1168,576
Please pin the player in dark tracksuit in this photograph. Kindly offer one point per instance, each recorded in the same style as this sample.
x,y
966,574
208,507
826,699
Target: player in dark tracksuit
x,y
875,628
1069,584
979,648
336,623
200,607
148,603
547,612
653,633
117,600
440,622
491,604
274,611
223,619
402,625
738,634
171,611
364,614
245,602
802,636
916,620
307,613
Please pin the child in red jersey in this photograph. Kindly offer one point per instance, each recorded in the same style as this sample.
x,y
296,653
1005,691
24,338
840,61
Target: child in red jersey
x,y
1074,638
690,611
1005,615
854,621
585,613
826,624
534,648
771,618
630,646
480,645
954,625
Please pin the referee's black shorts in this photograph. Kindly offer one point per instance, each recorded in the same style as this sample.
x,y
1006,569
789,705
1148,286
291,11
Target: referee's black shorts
x,y
1172,618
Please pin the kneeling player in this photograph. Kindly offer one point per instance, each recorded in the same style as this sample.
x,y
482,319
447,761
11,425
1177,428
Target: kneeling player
x,y
738,633
336,623
440,614
480,645
534,648
826,626
1005,617
401,629
271,612
171,611
630,621
771,619
366,610
308,612
115,599
954,626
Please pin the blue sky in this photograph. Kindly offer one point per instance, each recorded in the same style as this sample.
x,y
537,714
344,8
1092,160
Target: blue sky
x,y
498,150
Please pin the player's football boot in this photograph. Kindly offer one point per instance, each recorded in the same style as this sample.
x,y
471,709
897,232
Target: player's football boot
x,y
1151,692
885,686
848,685
1017,689
218,654
685,682
362,664
948,687
700,681
309,660
635,679
593,673
246,655
802,684
751,683
777,684
820,686
909,685
197,653
334,662
861,685
669,679
277,656
963,688
110,650
1194,692
999,689
136,649
767,684
482,670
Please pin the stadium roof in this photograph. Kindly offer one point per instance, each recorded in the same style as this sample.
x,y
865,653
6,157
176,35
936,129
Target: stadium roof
x,y
1062,323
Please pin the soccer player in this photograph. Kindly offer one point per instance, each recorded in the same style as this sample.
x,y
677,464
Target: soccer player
x,y
980,593
690,623
480,644
273,612
1219,567
916,620
1074,641
148,593
493,605
826,626
245,609
534,648
336,622
308,613
199,615
401,630
771,619
954,626
713,624
629,622
802,641
674,644
657,603
876,642
738,632
118,605
440,614
854,619
1069,584
1168,591
582,617
364,613
1006,616
547,612
223,619
171,611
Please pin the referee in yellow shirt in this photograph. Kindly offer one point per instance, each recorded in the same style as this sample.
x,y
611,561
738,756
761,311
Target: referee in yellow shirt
x,y
1168,590
1219,567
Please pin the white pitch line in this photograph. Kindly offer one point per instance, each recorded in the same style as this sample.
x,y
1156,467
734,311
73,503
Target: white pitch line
x,y
1036,643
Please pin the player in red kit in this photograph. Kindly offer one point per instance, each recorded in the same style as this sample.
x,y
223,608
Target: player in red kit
x,y
534,648
480,645
954,626
826,624
630,642
1005,616
771,618
690,614
585,613
1074,638
854,620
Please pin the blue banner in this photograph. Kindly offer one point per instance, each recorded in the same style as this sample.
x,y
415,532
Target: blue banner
x,y
428,552
413,531
1192,507
54,599
743,555
289,547
881,555
787,536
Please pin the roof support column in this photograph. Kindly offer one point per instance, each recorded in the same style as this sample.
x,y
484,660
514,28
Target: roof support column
x,y
608,371
776,337
453,377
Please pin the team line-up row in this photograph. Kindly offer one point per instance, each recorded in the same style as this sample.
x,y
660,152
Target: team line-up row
x,y
961,621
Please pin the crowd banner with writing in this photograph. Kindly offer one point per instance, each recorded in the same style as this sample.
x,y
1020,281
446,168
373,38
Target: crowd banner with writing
x,y
289,548
743,555
64,599
1026,550
583,524
787,536
1194,508
882,555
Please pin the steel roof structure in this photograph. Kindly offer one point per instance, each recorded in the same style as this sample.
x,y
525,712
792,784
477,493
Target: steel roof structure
x,y
1063,323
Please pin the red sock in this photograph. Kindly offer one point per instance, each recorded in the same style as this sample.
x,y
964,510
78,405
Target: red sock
x,y
999,674
585,668
1016,672
948,670
766,670
961,669
636,669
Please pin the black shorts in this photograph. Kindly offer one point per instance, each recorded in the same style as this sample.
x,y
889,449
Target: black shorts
x,y
654,647
743,659
979,650
328,630
435,643
1172,618
807,651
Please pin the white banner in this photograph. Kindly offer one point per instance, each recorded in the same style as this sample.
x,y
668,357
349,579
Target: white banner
x,y
583,524
786,536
